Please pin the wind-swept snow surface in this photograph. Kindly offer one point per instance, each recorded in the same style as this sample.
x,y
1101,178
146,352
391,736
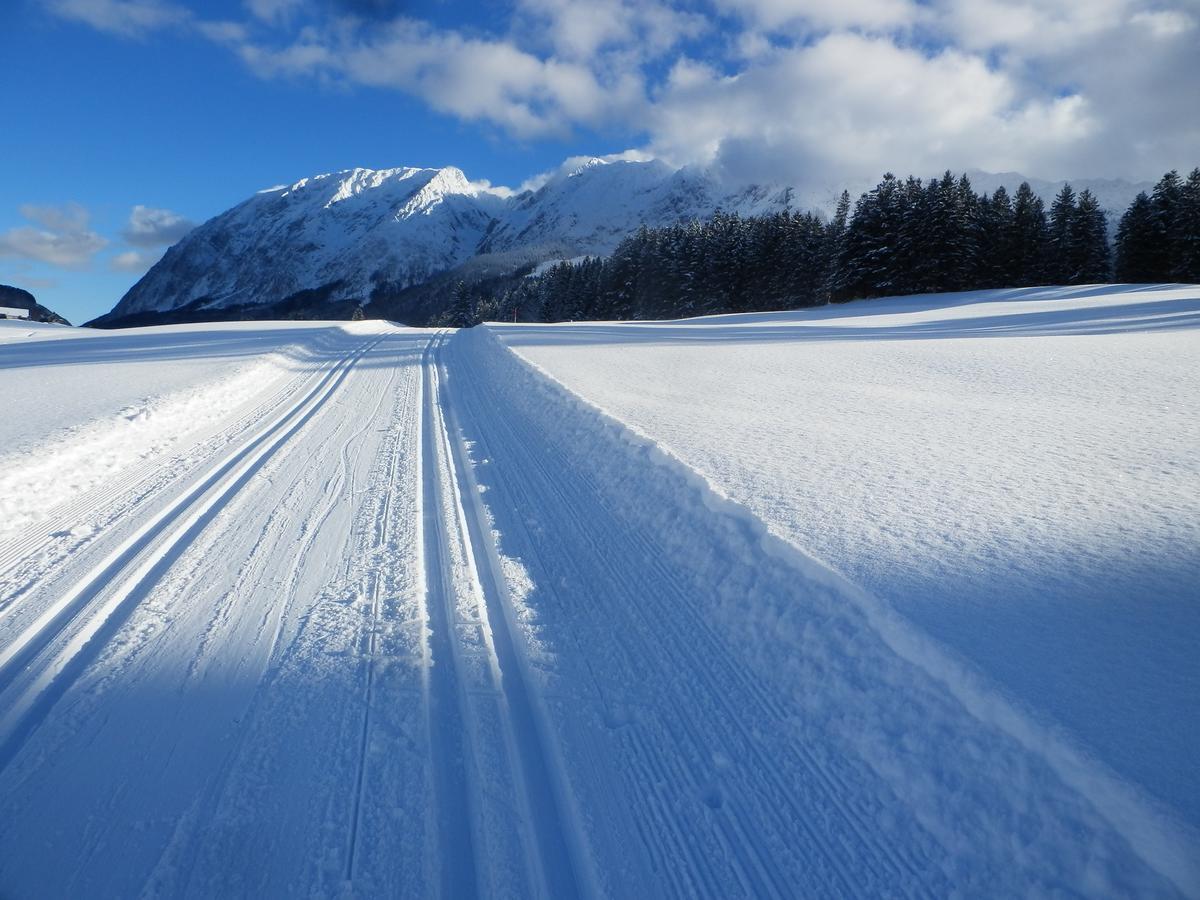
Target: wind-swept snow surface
x,y
399,613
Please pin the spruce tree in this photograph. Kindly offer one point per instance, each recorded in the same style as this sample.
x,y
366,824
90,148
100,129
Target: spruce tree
x,y
1029,238
1089,242
966,233
1186,238
462,308
1136,246
998,265
835,246
1164,205
1061,258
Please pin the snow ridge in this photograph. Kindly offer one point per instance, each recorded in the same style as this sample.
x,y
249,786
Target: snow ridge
x,y
765,619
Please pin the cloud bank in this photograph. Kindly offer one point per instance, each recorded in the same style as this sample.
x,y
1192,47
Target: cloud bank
x,y
798,90
60,236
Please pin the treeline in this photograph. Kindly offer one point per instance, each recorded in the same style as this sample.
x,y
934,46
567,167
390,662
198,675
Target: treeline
x,y
902,237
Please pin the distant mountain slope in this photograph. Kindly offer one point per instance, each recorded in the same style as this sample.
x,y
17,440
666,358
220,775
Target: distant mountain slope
x,y
17,298
396,238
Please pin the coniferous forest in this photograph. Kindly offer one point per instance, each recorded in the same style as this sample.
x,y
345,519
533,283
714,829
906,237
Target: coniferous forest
x,y
902,237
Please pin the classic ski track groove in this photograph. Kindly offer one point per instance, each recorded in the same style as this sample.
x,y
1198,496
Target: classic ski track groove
x,y
371,649
555,833
142,485
183,883
151,556
458,846
758,867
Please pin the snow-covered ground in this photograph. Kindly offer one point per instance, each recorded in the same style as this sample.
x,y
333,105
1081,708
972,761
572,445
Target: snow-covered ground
x,y
888,598
1017,472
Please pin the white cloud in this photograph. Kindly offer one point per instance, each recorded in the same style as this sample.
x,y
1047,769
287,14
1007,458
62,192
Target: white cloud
x,y
64,238
150,227
134,261
128,18
1164,23
811,89
273,10
573,163
790,15
855,106
585,29
475,79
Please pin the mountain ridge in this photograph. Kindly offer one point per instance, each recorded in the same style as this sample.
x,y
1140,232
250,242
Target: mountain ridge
x,y
387,240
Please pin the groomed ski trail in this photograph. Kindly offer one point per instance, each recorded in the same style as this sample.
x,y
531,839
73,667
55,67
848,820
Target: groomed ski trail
x,y
430,625
95,605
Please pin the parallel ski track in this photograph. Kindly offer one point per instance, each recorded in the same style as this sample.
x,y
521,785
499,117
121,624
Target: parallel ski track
x,y
183,878
444,701
556,840
703,656
140,482
131,568
371,648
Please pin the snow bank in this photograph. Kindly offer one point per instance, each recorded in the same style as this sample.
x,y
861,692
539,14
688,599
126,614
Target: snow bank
x,y
1012,803
1016,472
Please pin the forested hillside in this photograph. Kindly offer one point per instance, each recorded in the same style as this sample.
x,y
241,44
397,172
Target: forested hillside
x,y
903,237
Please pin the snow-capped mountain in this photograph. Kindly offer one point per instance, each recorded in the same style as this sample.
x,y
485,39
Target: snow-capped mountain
x,y
327,244
341,234
353,236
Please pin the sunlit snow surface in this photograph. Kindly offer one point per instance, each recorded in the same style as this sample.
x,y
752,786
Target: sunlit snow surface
x,y
1018,472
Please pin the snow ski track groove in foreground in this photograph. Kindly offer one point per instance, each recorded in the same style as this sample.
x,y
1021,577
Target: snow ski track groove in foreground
x,y
707,661
37,689
457,844
371,650
553,849
729,714
141,483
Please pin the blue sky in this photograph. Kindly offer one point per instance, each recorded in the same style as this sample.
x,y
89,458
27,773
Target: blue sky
x,y
171,122
127,120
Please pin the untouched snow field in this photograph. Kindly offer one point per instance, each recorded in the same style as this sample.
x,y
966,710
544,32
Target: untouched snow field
x,y
892,598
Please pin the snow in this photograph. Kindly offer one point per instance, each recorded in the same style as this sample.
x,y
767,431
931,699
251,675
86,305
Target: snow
x,y
1017,472
146,392
704,608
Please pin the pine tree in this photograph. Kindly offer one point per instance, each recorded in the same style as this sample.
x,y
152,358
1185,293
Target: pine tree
x,y
967,233
912,239
1186,238
1136,254
1060,260
868,256
835,246
1090,255
462,307
1029,238
1164,204
999,265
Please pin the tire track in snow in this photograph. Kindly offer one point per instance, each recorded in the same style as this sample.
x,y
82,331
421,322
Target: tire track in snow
x,y
37,689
